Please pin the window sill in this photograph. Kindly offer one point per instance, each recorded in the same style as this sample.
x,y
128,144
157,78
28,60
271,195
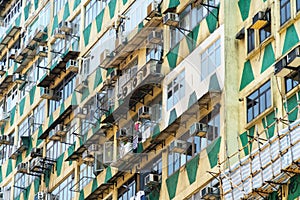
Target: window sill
x,y
259,117
284,26
260,47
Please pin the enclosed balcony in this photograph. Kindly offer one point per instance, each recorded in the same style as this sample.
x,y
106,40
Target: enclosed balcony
x,y
145,31
136,88
23,144
64,62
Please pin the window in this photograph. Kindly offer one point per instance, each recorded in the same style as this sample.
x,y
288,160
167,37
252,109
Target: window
x,y
213,131
251,40
12,98
55,149
189,18
58,4
298,5
176,90
259,101
62,192
153,53
210,59
24,128
65,89
39,115
22,181
92,9
265,32
291,82
86,175
5,150
125,193
285,11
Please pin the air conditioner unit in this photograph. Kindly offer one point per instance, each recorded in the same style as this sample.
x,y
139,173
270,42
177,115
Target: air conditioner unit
x,y
155,37
95,148
152,180
152,9
36,152
281,68
144,112
115,74
12,53
37,164
105,57
53,136
199,129
60,130
50,94
59,34
81,112
260,19
65,26
72,65
18,78
210,193
121,133
178,146
42,51
125,91
5,139
120,42
22,168
81,82
87,157
293,58
171,19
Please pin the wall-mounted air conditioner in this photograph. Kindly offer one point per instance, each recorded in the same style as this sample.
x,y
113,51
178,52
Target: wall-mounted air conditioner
x,y
36,152
179,146
171,19
260,19
72,65
210,193
105,57
152,9
144,112
281,68
12,53
81,82
152,179
81,112
22,168
59,34
18,78
60,130
199,129
42,51
293,58
65,26
51,94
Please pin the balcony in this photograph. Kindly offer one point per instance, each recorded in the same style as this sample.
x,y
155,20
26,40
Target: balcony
x,y
62,64
9,34
134,40
136,88
266,168
95,135
29,47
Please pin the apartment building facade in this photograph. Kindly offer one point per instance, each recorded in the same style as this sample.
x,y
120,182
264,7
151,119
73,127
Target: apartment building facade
x,y
169,99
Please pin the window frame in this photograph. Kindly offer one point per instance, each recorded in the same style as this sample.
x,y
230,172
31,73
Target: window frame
x,y
250,40
285,5
258,95
178,81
